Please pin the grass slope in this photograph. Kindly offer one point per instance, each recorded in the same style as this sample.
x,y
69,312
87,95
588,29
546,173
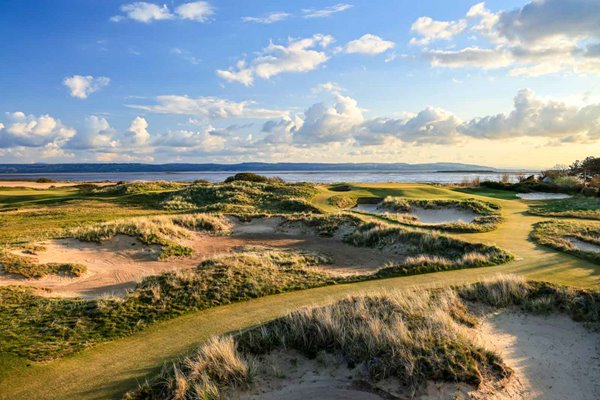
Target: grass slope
x,y
576,207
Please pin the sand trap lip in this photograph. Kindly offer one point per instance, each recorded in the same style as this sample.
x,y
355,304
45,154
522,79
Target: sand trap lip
x,y
543,196
583,246
427,216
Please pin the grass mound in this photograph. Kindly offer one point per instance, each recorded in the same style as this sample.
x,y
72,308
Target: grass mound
x,y
28,267
138,187
341,201
413,337
160,230
560,235
575,207
41,328
240,196
488,213
429,252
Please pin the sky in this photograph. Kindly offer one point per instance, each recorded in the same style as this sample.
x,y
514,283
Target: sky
x,y
512,84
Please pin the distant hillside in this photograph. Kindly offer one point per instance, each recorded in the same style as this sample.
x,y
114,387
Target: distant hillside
x,y
255,167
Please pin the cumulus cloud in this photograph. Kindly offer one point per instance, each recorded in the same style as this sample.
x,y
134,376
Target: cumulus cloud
x,y
82,86
31,131
204,141
431,30
269,18
209,107
325,12
141,11
96,134
369,44
138,134
300,55
542,37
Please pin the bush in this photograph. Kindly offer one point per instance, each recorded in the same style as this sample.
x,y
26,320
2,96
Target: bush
x,y
252,177
568,182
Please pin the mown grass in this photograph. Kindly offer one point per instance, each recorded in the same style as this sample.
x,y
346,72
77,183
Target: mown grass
x,y
488,213
575,207
412,336
29,267
556,234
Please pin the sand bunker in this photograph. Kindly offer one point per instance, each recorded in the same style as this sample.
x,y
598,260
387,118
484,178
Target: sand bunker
x,y
583,246
114,266
428,216
543,196
553,357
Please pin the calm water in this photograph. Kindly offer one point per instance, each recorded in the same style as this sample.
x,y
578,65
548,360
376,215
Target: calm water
x,y
297,176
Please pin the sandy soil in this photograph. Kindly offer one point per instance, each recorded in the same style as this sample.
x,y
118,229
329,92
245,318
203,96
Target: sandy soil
x,y
116,265
543,196
40,185
553,358
429,216
584,246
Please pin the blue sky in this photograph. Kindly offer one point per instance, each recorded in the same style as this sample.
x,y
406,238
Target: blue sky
x,y
505,83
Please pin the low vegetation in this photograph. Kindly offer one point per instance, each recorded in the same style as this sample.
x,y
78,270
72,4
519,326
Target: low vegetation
x,y
41,328
565,236
576,207
341,201
488,213
159,230
244,197
29,267
413,337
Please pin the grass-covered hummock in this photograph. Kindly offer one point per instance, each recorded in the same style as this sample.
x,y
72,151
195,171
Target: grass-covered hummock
x,y
575,207
563,235
488,213
29,267
411,336
159,230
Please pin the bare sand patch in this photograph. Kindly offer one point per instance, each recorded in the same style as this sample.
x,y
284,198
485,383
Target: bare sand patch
x,y
427,216
543,196
115,266
583,246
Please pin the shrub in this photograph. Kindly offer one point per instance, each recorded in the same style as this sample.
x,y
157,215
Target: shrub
x,y
252,177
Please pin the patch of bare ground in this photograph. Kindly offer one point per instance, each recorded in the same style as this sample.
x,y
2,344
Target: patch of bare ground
x,y
116,265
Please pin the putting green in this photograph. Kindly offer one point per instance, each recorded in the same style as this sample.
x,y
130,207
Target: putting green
x,y
108,370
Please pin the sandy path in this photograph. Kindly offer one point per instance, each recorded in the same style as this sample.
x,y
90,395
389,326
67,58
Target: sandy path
x,y
115,266
554,357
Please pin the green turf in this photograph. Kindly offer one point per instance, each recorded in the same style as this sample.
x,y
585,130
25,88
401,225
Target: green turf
x,y
576,207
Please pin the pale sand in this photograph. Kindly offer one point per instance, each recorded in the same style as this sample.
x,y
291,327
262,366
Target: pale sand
x,y
584,246
553,358
543,196
47,185
427,216
115,266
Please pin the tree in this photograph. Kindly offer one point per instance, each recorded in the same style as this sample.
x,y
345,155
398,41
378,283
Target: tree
x,y
589,167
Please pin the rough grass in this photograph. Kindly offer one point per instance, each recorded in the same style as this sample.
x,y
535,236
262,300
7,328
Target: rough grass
x,y
556,233
272,196
488,213
41,328
429,252
29,267
342,202
575,207
411,336
159,230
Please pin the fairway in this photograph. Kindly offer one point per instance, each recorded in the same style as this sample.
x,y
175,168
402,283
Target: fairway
x,y
92,373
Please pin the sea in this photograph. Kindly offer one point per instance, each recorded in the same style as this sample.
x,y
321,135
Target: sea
x,y
288,176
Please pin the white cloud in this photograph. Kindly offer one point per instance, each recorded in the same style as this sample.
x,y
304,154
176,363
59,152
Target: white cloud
x,y
141,11
209,107
325,12
96,134
300,55
198,11
138,134
203,141
431,30
82,86
144,12
270,18
369,44
540,38
31,131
